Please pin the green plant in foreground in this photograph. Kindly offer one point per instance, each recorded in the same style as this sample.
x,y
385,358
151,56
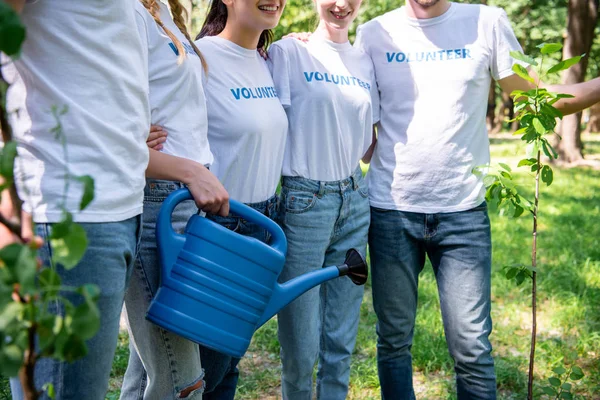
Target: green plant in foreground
x,y
29,328
537,117
560,387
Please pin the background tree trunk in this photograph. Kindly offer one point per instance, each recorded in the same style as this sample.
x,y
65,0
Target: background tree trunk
x,y
594,121
581,22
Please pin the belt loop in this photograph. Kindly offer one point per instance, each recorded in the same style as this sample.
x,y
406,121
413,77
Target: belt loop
x,y
321,189
354,177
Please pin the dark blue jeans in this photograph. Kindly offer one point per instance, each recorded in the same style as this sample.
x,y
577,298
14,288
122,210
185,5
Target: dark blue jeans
x,y
221,373
459,247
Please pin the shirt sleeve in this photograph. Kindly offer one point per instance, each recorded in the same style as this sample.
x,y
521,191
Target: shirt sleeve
x,y
142,28
280,71
504,41
374,95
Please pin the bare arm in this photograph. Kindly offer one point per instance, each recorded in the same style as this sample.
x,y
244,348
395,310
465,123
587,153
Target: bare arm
x,y
208,192
586,93
367,157
17,5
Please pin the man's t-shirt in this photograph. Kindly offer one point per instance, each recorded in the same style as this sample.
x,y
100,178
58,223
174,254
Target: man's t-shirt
x,y
326,89
177,98
434,77
247,125
83,58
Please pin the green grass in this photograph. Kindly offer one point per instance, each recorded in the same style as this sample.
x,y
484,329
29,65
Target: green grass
x,y
568,303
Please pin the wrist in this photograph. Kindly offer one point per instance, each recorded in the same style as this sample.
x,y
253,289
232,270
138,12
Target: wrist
x,y
189,171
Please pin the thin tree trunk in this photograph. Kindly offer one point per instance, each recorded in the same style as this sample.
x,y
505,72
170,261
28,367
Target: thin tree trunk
x,y
582,19
593,124
491,107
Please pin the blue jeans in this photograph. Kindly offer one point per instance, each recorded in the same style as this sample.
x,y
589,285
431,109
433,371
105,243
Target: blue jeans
x,y
321,220
107,263
169,352
459,247
221,369
169,363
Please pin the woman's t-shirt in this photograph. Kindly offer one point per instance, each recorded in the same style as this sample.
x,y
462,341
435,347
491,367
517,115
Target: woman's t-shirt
x,y
330,96
177,98
247,126
80,73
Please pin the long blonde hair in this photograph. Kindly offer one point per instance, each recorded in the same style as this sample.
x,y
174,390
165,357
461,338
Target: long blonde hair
x,y
177,12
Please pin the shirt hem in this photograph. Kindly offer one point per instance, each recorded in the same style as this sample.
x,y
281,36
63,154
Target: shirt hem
x,y
425,210
83,217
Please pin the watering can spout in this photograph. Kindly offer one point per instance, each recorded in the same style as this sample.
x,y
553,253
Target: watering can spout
x,y
354,266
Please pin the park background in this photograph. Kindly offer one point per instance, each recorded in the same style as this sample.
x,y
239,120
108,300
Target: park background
x,y
569,238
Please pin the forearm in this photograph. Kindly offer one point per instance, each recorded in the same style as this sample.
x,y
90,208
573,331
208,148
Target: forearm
x,y
367,156
586,95
172,168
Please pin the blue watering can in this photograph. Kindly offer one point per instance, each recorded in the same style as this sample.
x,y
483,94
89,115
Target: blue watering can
x,y
218,287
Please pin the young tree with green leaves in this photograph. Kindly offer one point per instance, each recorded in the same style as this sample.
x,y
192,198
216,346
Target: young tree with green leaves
x,y
537,116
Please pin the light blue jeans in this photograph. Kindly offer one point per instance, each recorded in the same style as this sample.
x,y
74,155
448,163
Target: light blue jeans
x,y
459,247
169,363
167,351
107,263
321,220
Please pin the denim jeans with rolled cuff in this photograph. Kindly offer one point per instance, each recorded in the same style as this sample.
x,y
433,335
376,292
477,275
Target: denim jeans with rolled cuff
x,y
321,221
161,363
459,247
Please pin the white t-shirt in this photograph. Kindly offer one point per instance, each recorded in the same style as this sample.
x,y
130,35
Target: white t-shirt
x,y
247,126
176,95
434,77
326,89
85,56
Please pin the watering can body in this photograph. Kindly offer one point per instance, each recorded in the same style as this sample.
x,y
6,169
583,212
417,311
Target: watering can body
x,y
218,287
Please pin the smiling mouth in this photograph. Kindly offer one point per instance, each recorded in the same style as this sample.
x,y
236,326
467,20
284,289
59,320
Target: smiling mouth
x,y
340,15
269,8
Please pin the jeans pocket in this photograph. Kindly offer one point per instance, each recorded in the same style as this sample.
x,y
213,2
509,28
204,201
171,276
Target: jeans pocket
x,y
231,223
297,202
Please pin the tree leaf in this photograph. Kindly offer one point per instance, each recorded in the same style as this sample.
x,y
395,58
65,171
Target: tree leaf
x,y
511,272
566,386
86,320
505,166
88,190
522,72
7,161
517,55
559,370
566,396
539,127
549,391
48,388
12,31
11,359
549,48
547,175
554,381
527,161
69,249
49,281
561,66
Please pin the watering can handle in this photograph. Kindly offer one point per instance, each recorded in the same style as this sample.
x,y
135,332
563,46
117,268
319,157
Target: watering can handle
x,y
278,241
170,242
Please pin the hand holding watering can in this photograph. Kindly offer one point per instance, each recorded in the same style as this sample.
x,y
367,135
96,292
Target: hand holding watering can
x,y
219,287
